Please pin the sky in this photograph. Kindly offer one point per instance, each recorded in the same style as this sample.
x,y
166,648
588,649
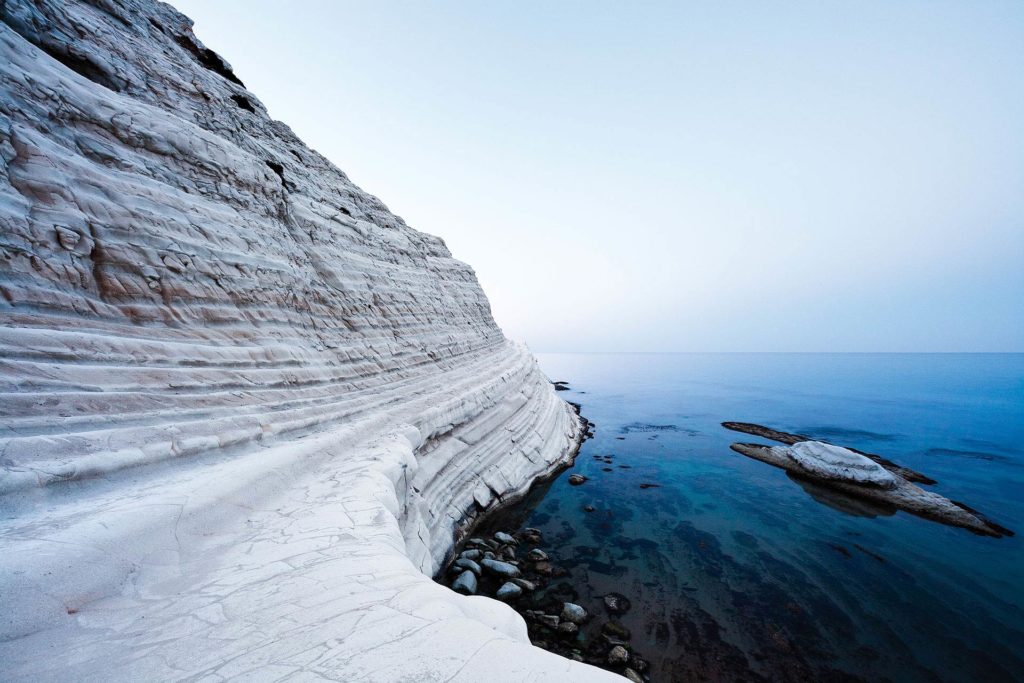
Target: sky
x,y
678,176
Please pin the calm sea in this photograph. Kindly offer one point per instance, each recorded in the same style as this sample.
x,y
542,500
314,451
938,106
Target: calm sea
x,y
736,572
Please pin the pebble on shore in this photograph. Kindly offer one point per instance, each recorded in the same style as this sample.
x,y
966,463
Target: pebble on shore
x,y
465,583
500,568
509,591
468,564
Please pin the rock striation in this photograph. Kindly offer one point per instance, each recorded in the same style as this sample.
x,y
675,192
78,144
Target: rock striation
x,y
244,406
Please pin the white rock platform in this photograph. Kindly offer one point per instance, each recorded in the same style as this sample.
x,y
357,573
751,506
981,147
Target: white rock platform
x,y
243,407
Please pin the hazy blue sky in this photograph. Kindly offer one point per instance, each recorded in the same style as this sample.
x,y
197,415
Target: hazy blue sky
x,y
679,176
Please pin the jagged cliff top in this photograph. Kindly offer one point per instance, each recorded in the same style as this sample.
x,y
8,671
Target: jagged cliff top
x,y
147,51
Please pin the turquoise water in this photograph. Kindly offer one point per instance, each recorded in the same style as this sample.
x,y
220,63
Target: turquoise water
x,y
736,572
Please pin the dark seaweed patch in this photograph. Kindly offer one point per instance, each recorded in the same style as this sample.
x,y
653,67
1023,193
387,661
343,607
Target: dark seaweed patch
x,y
833,432
973,455
644,428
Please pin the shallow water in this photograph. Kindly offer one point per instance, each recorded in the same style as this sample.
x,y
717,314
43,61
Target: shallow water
x,y
737,572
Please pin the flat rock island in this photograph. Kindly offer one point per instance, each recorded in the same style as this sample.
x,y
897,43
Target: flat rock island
x,y
863,476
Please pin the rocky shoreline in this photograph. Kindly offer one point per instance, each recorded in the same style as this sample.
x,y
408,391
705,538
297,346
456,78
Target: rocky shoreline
x,y
479,515
513,566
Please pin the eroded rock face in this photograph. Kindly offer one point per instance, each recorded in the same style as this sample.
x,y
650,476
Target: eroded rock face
x,y
243,403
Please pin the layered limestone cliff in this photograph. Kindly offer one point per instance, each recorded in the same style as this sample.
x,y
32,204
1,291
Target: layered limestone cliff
x,y
244,407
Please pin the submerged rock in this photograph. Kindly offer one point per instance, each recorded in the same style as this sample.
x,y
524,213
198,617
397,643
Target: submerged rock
x,y
568,628
532,536
618,655
616,603
549,620
576,479
632,675
638,663
614,628
536,555
574,613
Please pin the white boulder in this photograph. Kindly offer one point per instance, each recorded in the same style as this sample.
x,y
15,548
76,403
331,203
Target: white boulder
x,y
825,461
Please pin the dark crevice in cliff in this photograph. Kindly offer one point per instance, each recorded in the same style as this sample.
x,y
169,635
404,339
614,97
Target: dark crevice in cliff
x,y
209,59
279,170
243,102
82,65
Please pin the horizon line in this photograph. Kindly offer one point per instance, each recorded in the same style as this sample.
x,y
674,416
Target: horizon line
x,y
849,353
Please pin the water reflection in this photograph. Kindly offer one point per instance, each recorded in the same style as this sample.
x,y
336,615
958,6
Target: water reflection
x,y
837,500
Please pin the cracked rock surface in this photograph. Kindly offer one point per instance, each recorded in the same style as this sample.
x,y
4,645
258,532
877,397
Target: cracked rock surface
x,y
244,406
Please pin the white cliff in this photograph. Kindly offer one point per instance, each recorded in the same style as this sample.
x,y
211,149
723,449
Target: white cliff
x,y
243,407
